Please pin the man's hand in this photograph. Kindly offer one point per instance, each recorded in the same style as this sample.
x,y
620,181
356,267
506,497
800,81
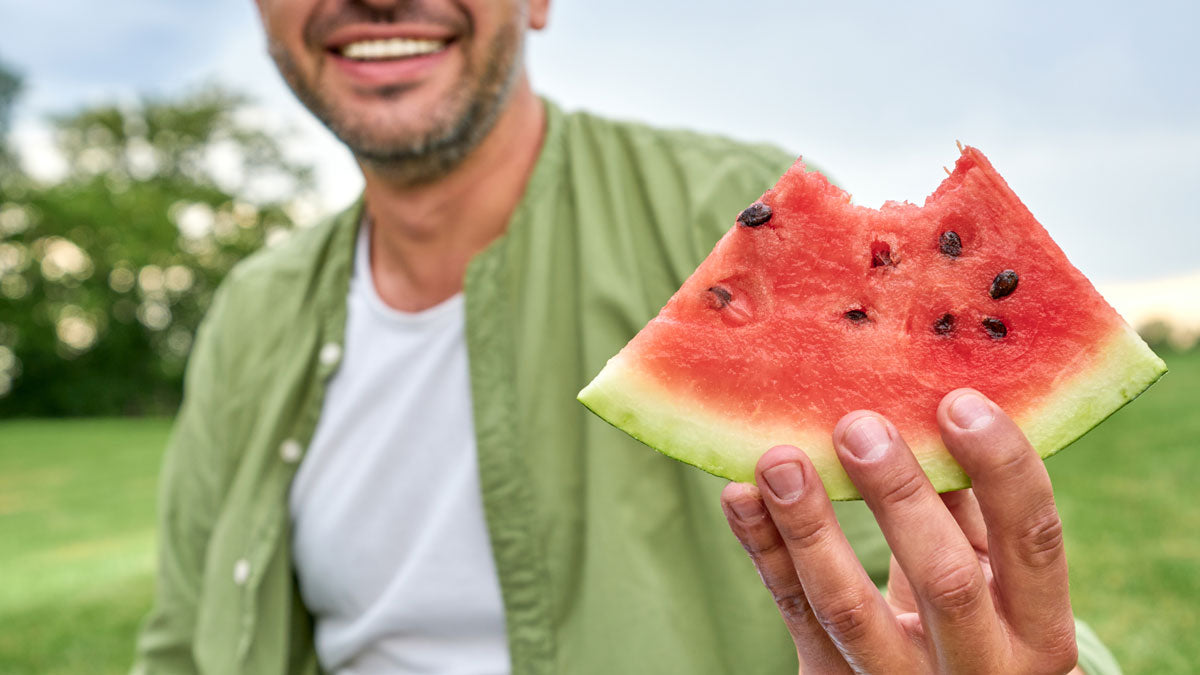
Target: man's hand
x,y
978,577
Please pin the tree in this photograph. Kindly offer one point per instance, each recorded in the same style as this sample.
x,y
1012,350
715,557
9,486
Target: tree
x,y
10,88
104,275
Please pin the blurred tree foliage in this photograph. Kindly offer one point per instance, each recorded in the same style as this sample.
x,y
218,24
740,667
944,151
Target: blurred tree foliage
x,y
105,274
1163,335
10,86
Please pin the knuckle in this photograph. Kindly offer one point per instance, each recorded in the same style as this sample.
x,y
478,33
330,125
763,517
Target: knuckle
x,y
1041,540
793,606
801,535
758,544
903,490
1057,663
1009,457
956,591
1059,649
1067,659
847,620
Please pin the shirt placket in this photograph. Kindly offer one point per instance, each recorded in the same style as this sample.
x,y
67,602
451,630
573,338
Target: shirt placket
x,y
266,534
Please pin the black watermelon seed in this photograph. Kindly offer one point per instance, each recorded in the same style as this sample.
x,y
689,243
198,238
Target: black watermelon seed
x,y
995,328
722,296
950,244
756,214
856,315
1004,284
944,325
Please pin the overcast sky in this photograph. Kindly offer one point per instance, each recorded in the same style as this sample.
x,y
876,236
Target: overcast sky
x,y
1091,110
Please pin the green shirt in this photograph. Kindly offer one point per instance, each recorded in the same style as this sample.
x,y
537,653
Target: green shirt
x,y
611,557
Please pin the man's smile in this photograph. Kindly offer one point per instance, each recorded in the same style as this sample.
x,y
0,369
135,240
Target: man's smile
x,y
390,49
389,55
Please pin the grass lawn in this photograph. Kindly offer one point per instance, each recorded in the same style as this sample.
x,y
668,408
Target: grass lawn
x,y
1128,501
77,515
76,541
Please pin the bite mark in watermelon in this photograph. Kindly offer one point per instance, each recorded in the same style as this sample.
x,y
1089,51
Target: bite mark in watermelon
x,y
811,307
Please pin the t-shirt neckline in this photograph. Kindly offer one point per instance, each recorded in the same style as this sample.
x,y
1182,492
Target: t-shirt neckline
x,y
363,284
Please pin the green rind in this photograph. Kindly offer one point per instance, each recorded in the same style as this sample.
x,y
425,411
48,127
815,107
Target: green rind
x,y
1127,369
688,431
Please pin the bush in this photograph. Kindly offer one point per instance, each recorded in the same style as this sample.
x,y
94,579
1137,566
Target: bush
x,y
105,274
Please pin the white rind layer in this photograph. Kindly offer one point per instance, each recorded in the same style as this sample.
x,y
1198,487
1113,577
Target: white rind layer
x,y
693,433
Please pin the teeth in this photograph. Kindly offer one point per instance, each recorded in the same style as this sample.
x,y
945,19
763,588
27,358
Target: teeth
x,y
396,48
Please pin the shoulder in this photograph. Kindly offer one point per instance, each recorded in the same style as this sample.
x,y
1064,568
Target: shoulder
x,y
279,293
301,255
706,164
286,276
661,196
678,143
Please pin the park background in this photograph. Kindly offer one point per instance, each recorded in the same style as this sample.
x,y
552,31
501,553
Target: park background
x,y
145,147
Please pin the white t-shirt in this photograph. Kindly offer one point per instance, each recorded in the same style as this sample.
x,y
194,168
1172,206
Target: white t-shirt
x,y
389,539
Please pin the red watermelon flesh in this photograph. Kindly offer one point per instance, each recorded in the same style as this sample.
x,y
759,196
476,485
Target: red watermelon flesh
x,y
811,307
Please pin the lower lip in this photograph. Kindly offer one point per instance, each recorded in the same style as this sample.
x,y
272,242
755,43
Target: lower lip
x,y
391,72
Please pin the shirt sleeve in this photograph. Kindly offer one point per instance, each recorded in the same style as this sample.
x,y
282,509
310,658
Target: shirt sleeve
x,y
188,503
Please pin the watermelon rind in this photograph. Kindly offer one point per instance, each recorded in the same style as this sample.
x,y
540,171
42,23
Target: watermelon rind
x,y
687,429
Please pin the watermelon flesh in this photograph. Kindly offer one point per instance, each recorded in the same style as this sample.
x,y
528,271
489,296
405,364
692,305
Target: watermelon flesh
x,y
811,307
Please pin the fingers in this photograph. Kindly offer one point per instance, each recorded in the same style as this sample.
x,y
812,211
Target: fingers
x,y
899,592
965,508
754,529
844,600
1017,502
941,566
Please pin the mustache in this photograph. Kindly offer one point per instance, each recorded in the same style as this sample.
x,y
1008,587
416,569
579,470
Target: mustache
x,y
355,12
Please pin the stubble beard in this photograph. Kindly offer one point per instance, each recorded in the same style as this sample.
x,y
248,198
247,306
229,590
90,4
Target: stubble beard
x,y
470,113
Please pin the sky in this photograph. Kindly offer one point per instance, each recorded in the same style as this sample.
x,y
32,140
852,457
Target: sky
x,y
1091,110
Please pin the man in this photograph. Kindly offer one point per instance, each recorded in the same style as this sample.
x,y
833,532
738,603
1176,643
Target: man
x,y
380,466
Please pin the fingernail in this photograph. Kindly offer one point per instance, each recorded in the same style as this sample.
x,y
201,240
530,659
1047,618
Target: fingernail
x,y
785,480
747,509
970,412
867,438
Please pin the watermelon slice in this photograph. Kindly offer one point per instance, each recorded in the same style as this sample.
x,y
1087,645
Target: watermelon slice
x,y
811,307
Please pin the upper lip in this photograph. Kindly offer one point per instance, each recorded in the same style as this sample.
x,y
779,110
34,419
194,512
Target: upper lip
x,y
341,37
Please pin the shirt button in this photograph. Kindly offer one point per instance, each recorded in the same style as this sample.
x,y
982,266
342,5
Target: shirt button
x,y
290,451
330,353
241,571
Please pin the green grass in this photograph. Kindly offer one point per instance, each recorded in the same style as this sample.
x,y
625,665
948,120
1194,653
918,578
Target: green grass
x,y
76,541
77,515
1127,493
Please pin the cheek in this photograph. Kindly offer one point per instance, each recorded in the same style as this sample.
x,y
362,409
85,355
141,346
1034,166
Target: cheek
x,y
489,19
284,20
